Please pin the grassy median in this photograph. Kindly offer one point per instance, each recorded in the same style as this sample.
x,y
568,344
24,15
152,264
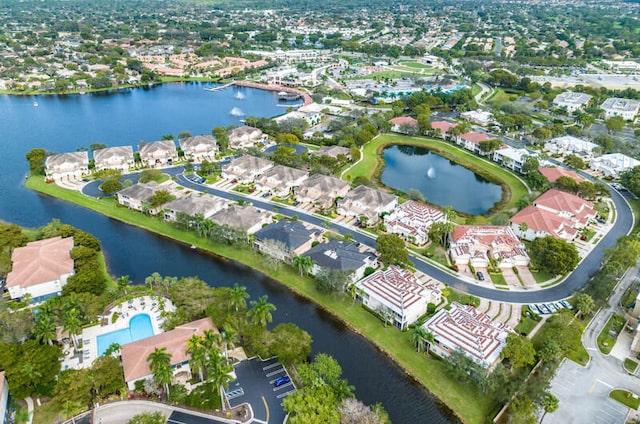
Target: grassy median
x,y
461,398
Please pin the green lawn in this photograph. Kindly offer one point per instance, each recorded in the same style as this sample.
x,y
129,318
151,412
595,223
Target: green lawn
x,y
626,398
386,74
417,65
630,365
525,325
372,163
462,399
607,341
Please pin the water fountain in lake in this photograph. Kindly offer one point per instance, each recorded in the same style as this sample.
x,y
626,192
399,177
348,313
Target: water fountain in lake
x,y
431,173
236,111
239,96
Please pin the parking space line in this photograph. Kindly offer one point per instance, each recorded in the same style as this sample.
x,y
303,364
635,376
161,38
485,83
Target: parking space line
x,y
277,389
603,383
282,395
274,373
268,367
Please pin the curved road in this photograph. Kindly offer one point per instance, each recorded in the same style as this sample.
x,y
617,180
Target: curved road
x,y
585,270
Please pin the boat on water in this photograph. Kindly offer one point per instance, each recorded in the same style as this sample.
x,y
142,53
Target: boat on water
x,y
288,96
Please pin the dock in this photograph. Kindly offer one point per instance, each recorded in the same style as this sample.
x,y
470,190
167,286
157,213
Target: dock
x,y
220,87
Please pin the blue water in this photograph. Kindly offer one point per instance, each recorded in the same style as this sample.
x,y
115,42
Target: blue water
x,y
139,328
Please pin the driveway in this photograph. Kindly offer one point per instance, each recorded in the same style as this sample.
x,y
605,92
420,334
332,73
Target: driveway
x,y
510,277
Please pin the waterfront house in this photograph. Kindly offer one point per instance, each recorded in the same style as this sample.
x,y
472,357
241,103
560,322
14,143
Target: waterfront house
x,y
512,158
119,158
67,166
40,269
412,220
442,127
397,295
366,202
194,203
245,137
332,151
286,239
199,148
135,355
157,154
478,245
471,141
321,190
570,145
279,180
342,256
404,125
463,328
137,196
479,117
245,168
612,165
552,174
248,218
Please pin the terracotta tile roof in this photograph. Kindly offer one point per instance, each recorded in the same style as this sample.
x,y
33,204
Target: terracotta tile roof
x,y
41,261
402,120
443,126
479,240
552,174
561,201
542,220
475,137
134,355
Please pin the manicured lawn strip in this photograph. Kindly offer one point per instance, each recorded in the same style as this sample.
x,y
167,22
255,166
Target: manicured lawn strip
x,y
46,413
626,398
430,373
542,276
525,325
605,341
371,164
630,365
417,65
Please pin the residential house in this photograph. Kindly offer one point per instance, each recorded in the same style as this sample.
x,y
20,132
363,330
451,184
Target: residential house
x,y
572,101
245,136
135,355
321,190
67,166
552,174
342,256
570,145
248,218
397,294
137,196
615,106
280,179
199,148
512,158
612,165
443,127
286,239
471,141
332,151
245,169
40,269
466,329
119,158
5,399
479,245
568,205
194,203
366,202
479,117
402,124
412,220
157,154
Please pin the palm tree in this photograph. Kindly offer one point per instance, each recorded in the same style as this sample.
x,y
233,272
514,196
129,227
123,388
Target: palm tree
x,y
417,337
228,336
550,403
238,296
195,347
303,263
429,338
72,324
160,365
44,329
123,283
113,348
343,390
218,370
260,312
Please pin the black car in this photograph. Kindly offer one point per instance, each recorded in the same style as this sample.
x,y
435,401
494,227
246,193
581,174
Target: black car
x,y
480,276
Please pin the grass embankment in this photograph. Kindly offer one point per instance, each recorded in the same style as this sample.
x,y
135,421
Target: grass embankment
x,y
372,164
462,399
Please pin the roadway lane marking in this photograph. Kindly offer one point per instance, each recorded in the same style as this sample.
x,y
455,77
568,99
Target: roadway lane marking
x,y
593,386
266,407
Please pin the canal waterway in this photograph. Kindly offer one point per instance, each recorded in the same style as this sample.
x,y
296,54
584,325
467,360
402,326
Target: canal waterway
x,y
65,123
441,181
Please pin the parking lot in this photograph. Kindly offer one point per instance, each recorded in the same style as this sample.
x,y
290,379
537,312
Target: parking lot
x,y
255,384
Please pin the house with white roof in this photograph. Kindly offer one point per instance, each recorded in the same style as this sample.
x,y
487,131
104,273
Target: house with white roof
x,y
199,148
479,117
612,165
615,106
477,245
572,100
279,180
194,203
157,154
119,158
245,137
570,145
398,294
465,329
40,269
135,355
412,220
321,190
512,158
332,151
367,202
136,196
245,169
67,166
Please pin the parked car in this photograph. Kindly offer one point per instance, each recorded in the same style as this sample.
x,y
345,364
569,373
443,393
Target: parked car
x,y
480,276
281,381
566,304
533,308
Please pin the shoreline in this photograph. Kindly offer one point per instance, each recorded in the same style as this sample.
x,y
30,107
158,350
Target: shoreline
x,y
411,367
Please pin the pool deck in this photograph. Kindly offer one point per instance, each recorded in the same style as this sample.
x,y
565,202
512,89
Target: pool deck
x,y
149,305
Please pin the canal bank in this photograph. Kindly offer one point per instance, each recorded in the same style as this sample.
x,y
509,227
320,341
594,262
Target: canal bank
x,y
427,372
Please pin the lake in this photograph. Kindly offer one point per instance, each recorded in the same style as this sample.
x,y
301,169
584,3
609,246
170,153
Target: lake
x,y
441,181
64,123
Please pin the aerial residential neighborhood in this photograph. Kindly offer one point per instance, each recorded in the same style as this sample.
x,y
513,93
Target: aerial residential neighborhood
x,y
319,212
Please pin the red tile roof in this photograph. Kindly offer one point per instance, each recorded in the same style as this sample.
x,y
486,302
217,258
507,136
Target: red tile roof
x,y
475,137
403,120
552,174
562,202
40,262
542,220
443,126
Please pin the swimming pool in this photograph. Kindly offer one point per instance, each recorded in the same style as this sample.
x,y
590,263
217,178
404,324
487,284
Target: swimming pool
x,y
139,328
